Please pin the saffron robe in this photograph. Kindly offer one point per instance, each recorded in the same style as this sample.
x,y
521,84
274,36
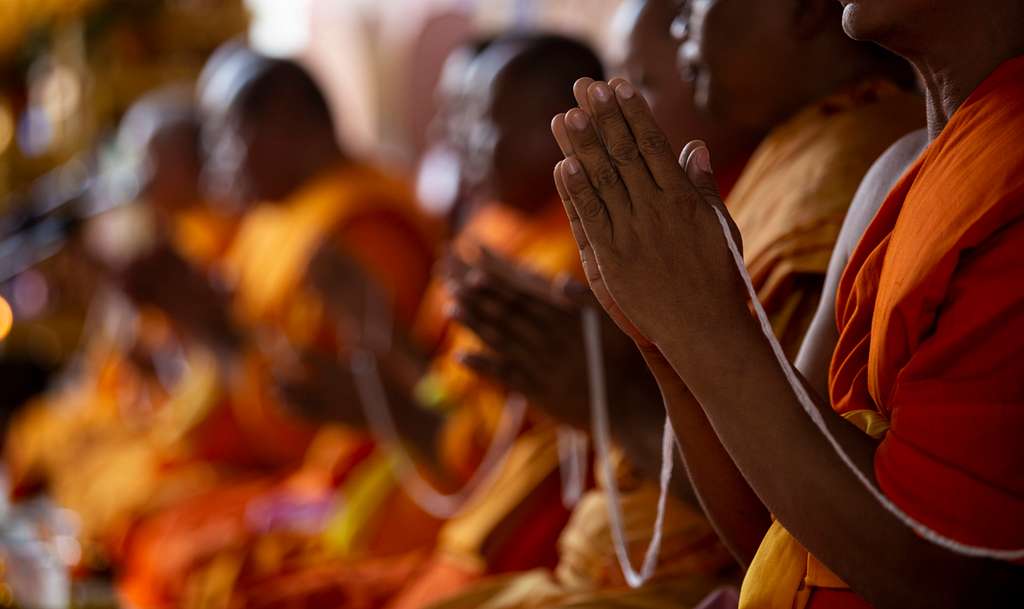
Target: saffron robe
x,y
928,360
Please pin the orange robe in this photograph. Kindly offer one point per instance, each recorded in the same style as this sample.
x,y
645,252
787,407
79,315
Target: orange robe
x,y
219,547
929,357
792,197
514,525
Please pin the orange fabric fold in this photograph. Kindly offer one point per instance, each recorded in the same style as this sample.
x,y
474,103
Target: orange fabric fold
x,y
930,318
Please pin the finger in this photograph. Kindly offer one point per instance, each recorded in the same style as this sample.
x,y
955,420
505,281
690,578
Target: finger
x,y
650,139
561,133
511,376
506,273
696,162
593,216
619,142
493,336
598,171
590,270
579,91
521,318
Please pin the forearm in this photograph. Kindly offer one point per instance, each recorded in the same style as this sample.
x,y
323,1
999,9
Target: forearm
x,y
802,480
737,514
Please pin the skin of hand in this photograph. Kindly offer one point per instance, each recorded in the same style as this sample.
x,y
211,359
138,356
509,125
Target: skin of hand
x,y
649,228
162,278
533,331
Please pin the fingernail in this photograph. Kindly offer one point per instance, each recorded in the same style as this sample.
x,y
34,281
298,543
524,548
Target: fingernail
x,y
572,166
702,157
625,91
578,120
602,92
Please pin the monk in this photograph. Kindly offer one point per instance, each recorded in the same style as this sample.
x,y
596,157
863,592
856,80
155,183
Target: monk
x,y
314,212
533,329
514,524
107,443
823,213
722,379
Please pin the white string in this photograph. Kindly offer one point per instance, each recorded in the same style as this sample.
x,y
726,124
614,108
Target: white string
x,y
809,406
382,425
602,444
378,333
572,464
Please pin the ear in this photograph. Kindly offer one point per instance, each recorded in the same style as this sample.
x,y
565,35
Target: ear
x,y
811,16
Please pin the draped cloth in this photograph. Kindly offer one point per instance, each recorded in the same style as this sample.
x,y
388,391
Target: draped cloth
x,y
791,199
298,475
930,313
691,564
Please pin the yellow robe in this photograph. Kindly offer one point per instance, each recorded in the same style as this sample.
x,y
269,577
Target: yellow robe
x,y
791,200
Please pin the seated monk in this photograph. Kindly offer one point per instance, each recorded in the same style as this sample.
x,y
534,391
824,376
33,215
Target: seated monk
x,y
924,382
533,333
513,523
311,205
515,327
107,443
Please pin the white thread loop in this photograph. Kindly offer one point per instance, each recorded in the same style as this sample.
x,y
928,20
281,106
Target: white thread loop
x,y
378,333
382,425
572,464
811,409
602,444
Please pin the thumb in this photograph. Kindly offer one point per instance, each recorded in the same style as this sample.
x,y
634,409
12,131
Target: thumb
x,y
696,162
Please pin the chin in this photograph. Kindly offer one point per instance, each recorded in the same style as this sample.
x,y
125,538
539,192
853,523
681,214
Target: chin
x,y
870,20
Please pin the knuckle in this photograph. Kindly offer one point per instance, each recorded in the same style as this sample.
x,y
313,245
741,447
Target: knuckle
x,y
623,152
652,142
590,208
605,176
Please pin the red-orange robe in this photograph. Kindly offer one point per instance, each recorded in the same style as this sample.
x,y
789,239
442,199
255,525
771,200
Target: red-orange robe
x,y
930,356
373,219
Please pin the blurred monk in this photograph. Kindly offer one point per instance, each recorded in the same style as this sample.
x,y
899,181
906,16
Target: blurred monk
x,y
108,444
514,522
315,214
533,329
924,383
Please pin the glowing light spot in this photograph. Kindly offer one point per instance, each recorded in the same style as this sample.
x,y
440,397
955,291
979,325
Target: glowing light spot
x,y
6,318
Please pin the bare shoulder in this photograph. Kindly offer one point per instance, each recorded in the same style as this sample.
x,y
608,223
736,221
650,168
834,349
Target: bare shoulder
x,y
875,186
822,335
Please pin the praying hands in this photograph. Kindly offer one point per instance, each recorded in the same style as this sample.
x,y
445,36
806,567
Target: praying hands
x,y
641,220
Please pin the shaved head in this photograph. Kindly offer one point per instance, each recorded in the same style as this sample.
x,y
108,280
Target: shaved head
x,y
518,84
160,133
275,129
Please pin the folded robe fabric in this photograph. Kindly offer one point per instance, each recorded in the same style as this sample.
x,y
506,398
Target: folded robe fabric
x,y
931,312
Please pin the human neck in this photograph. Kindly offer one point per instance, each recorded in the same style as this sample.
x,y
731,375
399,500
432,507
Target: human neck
x,y
836,64
950,74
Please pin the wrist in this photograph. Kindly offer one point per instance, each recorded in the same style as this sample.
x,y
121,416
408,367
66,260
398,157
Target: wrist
x,y
715,349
